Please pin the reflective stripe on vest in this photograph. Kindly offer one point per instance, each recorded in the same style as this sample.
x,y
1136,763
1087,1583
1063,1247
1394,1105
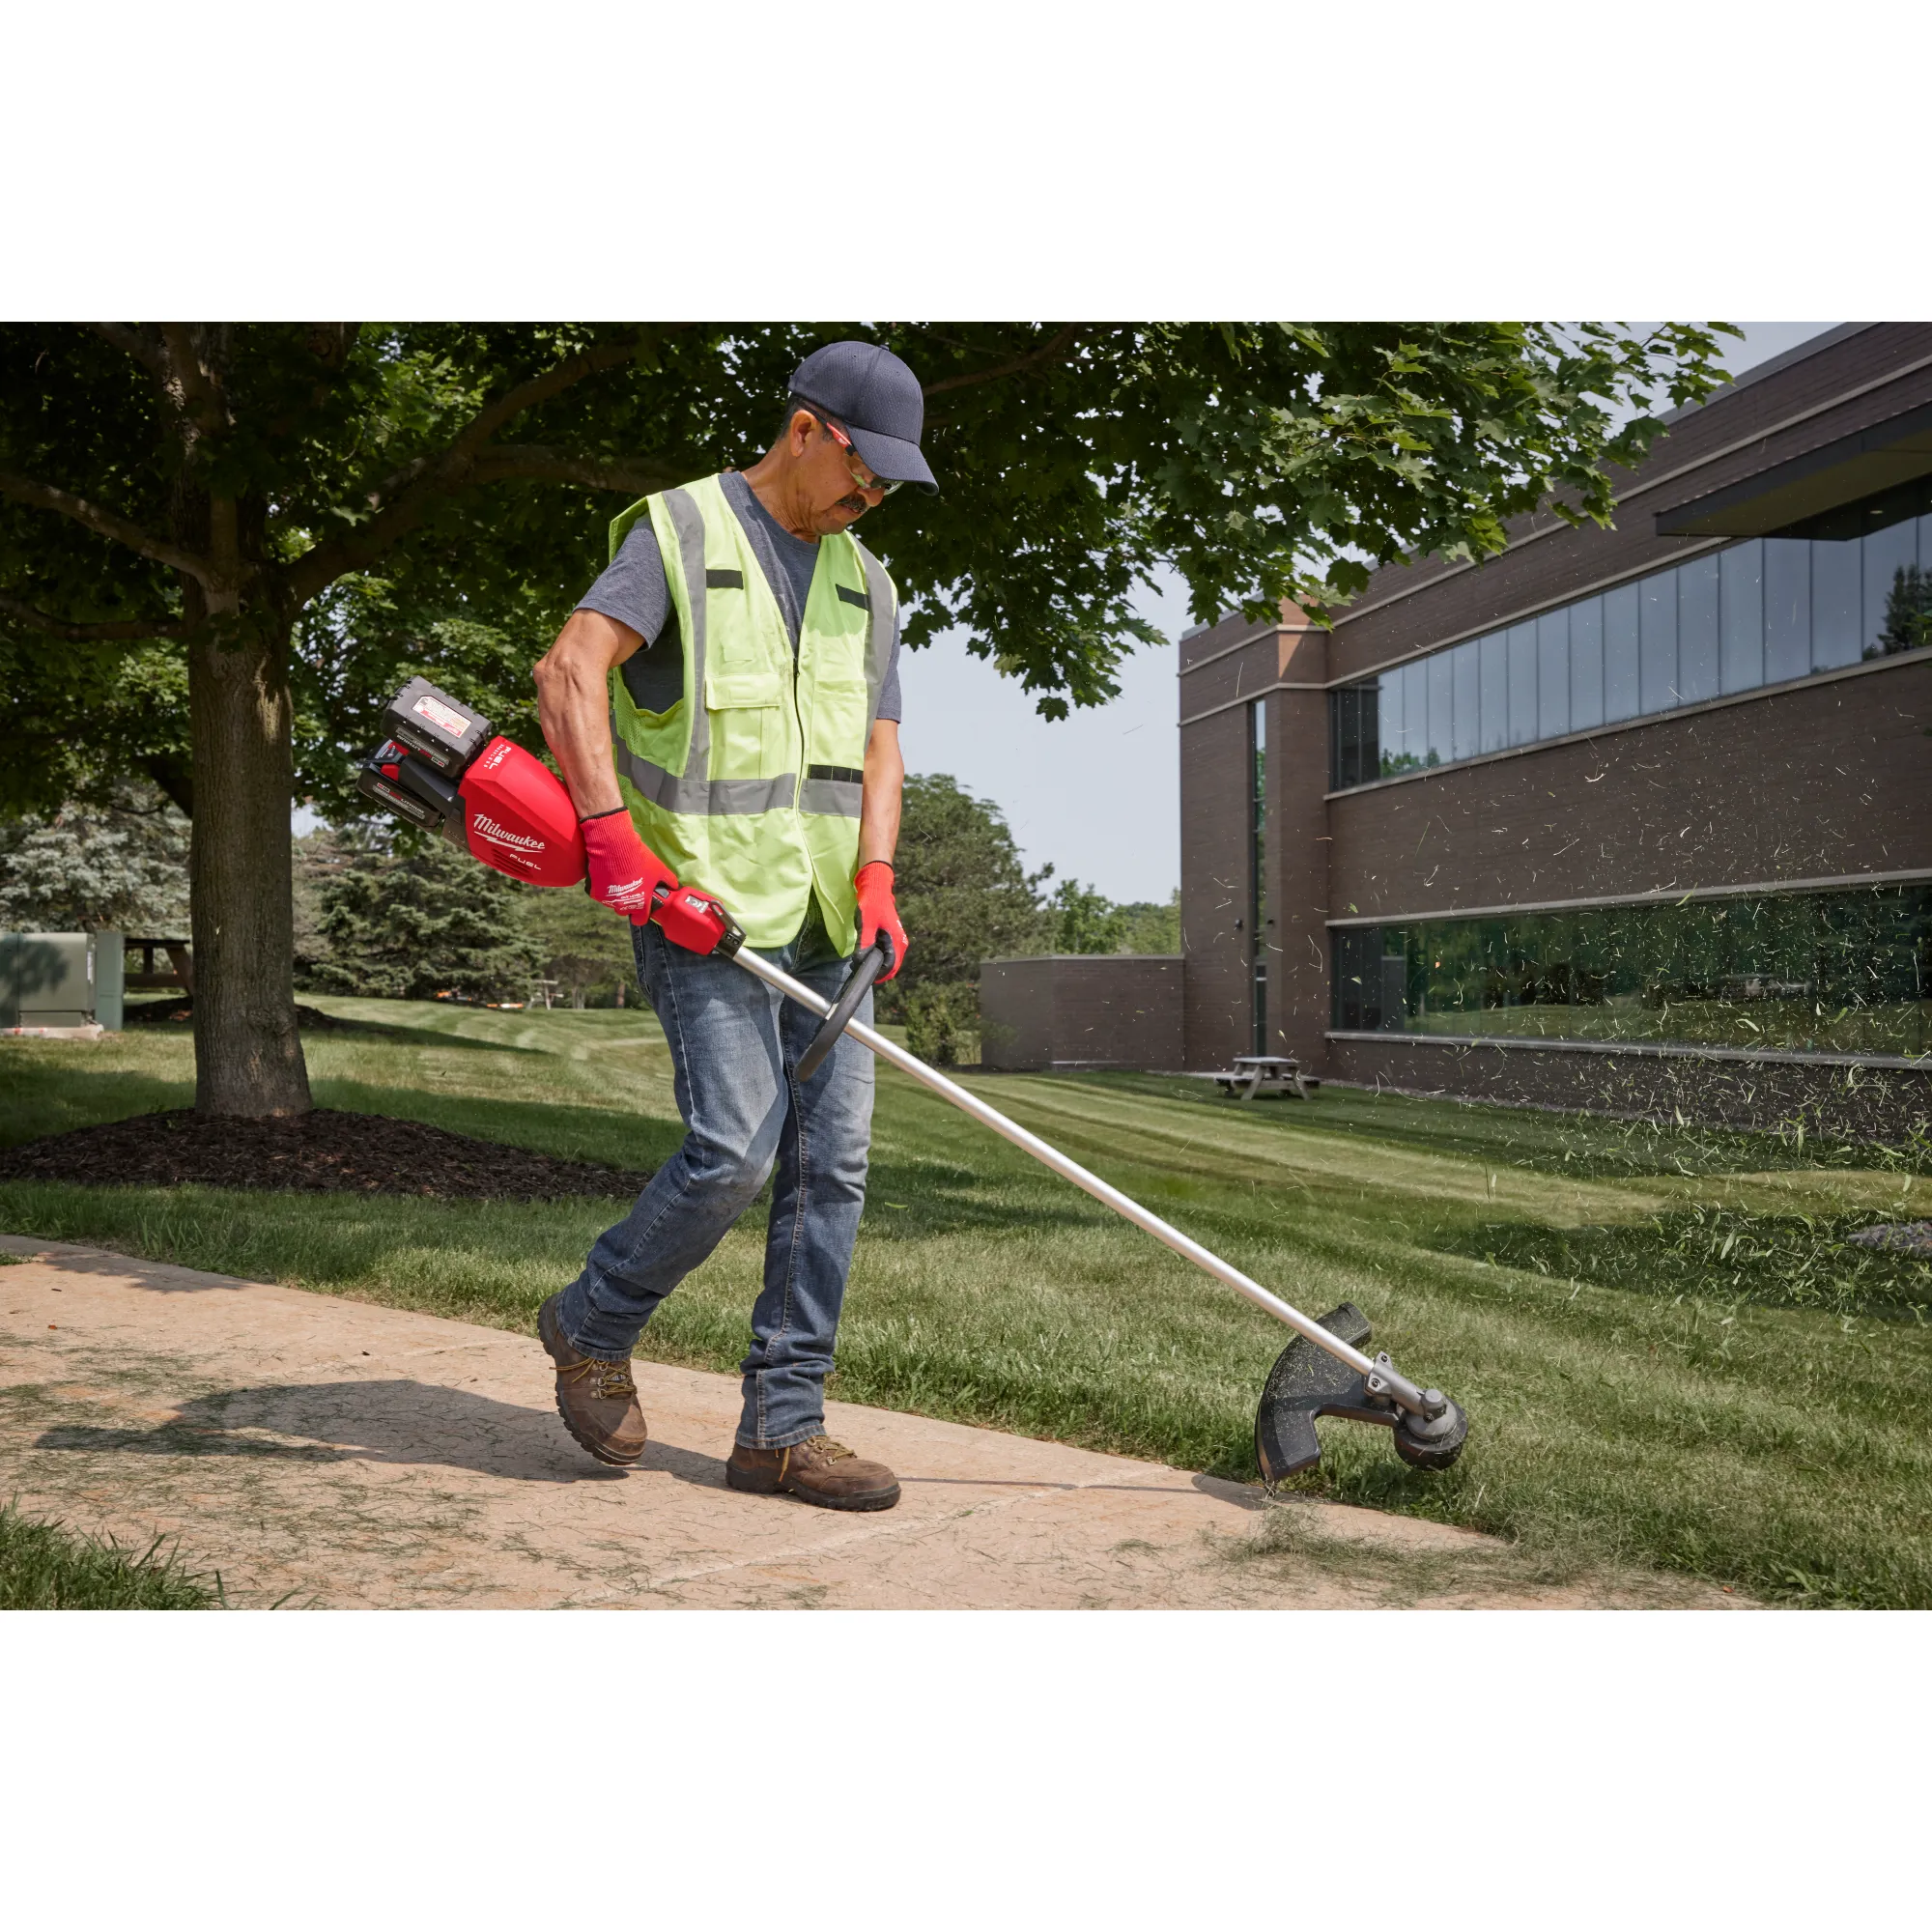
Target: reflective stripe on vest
x,y
749,701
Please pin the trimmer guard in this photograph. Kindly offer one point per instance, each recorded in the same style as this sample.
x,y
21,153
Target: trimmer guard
x,y
1306,1381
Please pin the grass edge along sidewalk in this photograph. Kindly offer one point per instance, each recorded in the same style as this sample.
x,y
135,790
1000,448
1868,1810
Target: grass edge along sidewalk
x,y
45,1566
1680,1417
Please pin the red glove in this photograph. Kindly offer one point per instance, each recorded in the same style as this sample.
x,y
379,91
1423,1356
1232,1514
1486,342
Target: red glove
x,y
879,918
695,920
625,873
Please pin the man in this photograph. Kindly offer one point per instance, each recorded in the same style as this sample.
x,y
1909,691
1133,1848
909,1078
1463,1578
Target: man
x,y
724,708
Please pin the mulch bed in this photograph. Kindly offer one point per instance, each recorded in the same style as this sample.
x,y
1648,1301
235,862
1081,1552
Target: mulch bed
x,y
181,1012
321,1152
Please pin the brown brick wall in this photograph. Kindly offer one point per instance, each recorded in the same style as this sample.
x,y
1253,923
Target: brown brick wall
x,y
1214,794
1118,1011
1016,1012
1243,673
1298,869
1819,781
1827,780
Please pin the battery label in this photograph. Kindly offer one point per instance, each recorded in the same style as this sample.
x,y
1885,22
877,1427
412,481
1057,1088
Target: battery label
x,y
401,801
439,713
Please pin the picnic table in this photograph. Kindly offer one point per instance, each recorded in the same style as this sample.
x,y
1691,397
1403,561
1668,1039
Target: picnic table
x,y
1251,1072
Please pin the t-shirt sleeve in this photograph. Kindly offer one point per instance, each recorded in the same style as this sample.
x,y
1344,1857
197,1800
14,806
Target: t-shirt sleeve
x,y
889,690
632,590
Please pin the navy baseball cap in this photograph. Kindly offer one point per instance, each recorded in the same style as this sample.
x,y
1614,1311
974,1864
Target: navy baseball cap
x,y
875,399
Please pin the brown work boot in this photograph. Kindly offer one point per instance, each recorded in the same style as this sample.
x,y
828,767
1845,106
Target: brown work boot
x,y
819,1471
597,1399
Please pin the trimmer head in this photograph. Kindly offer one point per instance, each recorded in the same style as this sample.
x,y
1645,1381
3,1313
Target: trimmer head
x,y
1307,1381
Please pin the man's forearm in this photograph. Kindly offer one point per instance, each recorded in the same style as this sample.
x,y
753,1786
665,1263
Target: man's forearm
x,y
879,797
573,706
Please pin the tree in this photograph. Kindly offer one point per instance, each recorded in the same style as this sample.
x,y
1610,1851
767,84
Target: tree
x,y
222,545
1080,920
1152,927
582,946
409,925
1908,614
320,857
960,887
122,867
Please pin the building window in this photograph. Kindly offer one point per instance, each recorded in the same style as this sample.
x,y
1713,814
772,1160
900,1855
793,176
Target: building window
x,y
1368,982
1258,869
1845,971
1854,585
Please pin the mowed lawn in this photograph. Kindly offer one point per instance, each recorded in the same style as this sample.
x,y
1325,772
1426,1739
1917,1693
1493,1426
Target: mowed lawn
x,y
1670,1356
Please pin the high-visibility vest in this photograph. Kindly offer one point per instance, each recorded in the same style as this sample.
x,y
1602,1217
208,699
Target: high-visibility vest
x,y
749,787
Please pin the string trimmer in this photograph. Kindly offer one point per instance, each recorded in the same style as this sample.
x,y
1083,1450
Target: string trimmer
x,y
442,769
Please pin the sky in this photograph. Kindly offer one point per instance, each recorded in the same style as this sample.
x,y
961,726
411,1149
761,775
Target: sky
x,y
1097,796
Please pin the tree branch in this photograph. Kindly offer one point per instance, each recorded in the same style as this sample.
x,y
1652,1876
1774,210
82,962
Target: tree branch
x,y
540,389
195,393
402,499
132,341
104,523
131,631
1047,353
506,462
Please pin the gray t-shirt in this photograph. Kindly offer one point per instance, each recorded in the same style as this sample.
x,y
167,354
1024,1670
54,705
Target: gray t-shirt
x,y
634,591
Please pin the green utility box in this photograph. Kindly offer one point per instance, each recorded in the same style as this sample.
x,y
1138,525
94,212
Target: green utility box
x,y
61,980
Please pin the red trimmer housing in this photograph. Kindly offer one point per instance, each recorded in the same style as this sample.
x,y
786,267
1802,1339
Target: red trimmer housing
x,y
440,766
518,817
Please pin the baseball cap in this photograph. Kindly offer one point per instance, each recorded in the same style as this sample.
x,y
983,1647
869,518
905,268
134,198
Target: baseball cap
x,y
875,399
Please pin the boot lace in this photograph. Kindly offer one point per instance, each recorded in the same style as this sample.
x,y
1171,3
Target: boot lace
x,y
611,1380
829,1451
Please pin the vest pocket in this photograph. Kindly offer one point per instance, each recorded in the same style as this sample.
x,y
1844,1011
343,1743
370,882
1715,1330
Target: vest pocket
x,y
747,727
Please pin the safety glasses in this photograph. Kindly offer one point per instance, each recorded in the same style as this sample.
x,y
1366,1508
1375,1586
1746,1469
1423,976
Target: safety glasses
x,y
856,463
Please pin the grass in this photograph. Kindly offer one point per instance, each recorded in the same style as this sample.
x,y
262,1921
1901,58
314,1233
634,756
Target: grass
x,y
1641,1397
44,1566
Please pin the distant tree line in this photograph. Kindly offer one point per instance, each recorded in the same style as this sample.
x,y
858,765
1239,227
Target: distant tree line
x,y
395,916
116,862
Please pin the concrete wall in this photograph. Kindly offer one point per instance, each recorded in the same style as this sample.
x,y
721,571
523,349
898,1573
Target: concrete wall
x,y
1088,1009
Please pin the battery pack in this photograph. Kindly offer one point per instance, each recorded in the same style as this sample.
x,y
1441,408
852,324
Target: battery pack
x,y
441,769
404,783
437,727
373,783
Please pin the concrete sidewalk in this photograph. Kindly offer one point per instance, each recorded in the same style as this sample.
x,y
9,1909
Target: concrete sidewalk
x,y
326,1452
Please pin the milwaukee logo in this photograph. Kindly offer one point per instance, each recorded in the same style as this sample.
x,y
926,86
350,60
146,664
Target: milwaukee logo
x,y
498,834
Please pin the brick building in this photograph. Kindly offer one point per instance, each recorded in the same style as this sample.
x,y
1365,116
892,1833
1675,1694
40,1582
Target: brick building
x,y
1632,819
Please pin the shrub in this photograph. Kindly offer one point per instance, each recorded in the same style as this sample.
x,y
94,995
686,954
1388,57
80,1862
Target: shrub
x,y
942,1023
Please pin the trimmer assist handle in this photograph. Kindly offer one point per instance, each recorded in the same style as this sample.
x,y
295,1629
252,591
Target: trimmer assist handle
x,y
867,968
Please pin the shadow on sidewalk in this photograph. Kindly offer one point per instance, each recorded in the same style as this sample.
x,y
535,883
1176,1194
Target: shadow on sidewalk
x,y
396,1422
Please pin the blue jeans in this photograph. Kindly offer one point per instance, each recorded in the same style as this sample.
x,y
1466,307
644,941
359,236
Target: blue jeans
x,y
734,1049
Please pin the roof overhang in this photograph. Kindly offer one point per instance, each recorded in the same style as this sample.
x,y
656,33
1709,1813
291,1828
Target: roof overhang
x,y
1895,451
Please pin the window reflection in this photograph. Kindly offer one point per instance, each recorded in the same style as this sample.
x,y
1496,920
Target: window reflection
x,y
1698,598
1854,585
1846,972
1740,605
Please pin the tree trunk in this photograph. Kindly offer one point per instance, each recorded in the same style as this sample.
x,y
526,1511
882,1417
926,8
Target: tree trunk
x,y
249,1057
